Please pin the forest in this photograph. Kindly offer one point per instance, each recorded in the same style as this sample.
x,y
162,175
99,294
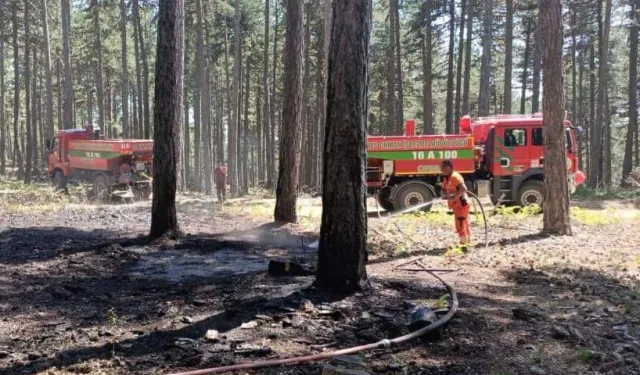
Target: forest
x,y
406,187
66,64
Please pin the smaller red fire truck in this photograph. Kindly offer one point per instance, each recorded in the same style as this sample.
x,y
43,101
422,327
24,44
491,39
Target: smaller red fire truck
x,y
500,157
113,166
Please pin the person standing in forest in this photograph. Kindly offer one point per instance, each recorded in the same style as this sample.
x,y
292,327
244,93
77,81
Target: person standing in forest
x,y
454,191
221,182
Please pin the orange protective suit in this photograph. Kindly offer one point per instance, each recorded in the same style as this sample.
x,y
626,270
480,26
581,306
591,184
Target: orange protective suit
x,y
460,206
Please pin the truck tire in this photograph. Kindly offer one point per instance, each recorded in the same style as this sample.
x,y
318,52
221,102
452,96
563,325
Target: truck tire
x,y
100,187
383,199
413,194
142,192
531,192
60,180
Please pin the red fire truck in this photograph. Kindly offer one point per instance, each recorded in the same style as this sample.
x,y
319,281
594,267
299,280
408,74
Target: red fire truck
x,y
113,166
500,157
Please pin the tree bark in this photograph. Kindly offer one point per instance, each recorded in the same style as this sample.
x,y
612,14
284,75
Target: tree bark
x,y
427,67
245,138
232,156
3,124
398,68
27,95
593,164
536,67
266,116
187,177
144,94
485,69
289,161
95,7
180,67
508,58
139,132
632,128
202,67
69,99
525,66
601,118
458,100
342,253
466,109
167,100
124,83
450,69
47,67
556,192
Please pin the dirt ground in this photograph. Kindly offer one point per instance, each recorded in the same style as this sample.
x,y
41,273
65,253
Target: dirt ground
x,y
83,292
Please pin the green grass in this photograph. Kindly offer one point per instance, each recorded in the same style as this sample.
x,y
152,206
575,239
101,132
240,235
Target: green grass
x,y
594,217
585,355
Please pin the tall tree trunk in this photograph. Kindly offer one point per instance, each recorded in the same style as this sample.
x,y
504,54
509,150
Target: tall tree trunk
x,y
202,67
466,109
427,66
606,157
289,161
179,124
326,38
632,128
574,68
450,68
392,126
59,85
166,116
485,70
47,68
508,58
275,121
232,156
139,133
95,7
556,192
398,67
35,109
458,100
3,124
593,132
27,95
306,163
525,66
342,253
187,177
69,98
144,94
245,138
124,83
581,117
603,72
266,116
537,56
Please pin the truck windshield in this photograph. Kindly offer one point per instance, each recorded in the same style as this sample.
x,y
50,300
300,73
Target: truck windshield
x,y
569,141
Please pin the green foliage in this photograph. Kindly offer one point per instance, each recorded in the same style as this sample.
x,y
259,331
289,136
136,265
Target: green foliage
x,y
594,217
585,355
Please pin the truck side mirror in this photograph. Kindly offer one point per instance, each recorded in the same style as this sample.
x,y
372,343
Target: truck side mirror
x,y
48,144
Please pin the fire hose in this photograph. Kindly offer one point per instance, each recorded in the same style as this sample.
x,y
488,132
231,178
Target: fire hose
x,y
421,206
382,344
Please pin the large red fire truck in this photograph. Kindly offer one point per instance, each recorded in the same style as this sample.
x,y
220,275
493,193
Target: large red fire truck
x,y
500,157
113,166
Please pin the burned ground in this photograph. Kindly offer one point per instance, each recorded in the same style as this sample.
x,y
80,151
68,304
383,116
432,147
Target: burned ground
x,y
82,291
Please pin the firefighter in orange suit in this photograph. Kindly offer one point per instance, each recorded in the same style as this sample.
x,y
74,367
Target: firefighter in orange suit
x,y
455,191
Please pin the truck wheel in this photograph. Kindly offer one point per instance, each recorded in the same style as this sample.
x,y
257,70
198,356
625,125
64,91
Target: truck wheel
x,y
143,192
531,192
100,187
413,194
383,199
60,180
